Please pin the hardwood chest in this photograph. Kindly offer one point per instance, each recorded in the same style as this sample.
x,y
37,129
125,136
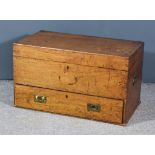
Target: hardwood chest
x,y
89,77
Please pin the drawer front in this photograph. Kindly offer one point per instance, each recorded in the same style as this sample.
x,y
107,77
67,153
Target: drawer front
x,y
69,77
79,105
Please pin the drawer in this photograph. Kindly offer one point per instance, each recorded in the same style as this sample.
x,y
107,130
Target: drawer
x,y
97,108
70,77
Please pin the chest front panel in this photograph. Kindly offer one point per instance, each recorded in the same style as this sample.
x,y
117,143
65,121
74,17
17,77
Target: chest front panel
x,y
72,78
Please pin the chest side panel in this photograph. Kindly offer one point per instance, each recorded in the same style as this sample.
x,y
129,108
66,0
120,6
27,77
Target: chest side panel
x,y
69,103
69,77
134,83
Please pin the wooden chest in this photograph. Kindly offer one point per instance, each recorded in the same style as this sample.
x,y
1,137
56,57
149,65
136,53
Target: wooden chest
x,y
89,77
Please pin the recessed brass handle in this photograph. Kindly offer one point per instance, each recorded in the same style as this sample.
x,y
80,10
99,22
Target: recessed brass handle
x,y
40,99
135,77
93,107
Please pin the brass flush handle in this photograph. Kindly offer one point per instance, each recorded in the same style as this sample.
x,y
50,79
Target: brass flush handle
x,y
135,77
93,107
40,99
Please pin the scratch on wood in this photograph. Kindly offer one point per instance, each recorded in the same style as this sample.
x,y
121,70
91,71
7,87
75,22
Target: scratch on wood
x,y
88,86
108,79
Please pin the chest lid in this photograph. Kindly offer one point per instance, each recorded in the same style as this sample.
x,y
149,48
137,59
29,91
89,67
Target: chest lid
x,y
79,49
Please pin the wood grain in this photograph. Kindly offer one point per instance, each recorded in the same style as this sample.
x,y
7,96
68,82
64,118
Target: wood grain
x,y
81,43
72,57
69,103
73,78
